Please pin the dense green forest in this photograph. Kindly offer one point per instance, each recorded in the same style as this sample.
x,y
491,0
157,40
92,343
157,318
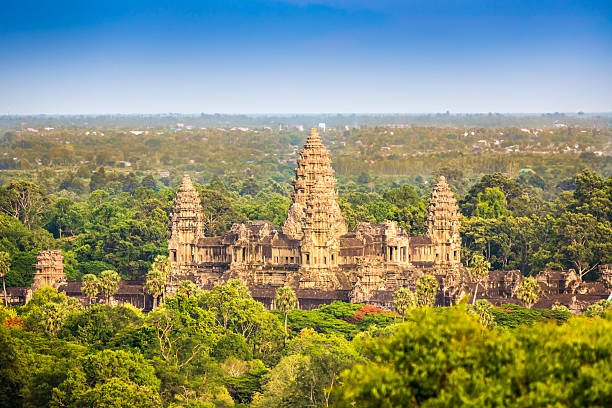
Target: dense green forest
x,y
104,196
220,348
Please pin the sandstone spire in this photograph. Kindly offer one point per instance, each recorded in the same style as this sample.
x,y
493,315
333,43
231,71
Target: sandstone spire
x,y
187,224
443,223
313,169
49,269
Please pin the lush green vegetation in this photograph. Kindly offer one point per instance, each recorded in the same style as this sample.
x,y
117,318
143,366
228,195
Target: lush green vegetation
x,y
220,348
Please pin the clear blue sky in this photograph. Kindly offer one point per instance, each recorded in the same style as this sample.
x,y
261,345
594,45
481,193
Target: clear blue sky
x,y
305,56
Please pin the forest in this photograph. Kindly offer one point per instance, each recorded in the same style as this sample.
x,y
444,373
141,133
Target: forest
x,y
529,198
220,348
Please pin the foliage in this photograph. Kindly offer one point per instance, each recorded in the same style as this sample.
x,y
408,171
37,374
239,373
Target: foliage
x,y
89,286
48,310
479,269
285,301
484,310
426,289
528,290
108,283
438,359
512,316
187,288
404,300
599,309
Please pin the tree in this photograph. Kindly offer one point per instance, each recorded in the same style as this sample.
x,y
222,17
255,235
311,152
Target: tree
x,y
426,289
157,278
48,310
583,241
599,309
4,269
108,284
187,288
449,359
241,288
479,270
155,284
89,286
484,310
14,369
286,301
23,200
404,300
491,204
528,290
325,357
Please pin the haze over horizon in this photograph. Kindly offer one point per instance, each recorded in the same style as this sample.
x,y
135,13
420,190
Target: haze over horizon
x,y
306,56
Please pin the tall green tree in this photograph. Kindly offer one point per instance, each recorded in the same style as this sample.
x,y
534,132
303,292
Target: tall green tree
x,y
89,286
285,301
528,291
187,288
157,278
108,284
155,284
491,204
5,262
23,200
403,300
484,310
479,269
426,290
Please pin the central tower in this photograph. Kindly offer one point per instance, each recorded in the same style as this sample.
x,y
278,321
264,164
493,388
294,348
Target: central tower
x,y
315,218
314,195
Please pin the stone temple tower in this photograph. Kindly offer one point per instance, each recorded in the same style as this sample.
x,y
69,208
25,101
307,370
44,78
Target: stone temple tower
x,y
187,225
443,224
320,244
314,187
49,269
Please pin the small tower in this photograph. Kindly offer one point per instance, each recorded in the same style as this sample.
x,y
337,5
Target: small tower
x,y
49,269
443,224
187,225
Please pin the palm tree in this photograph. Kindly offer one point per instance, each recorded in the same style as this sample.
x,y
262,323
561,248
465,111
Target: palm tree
x,y
528,291
52,316
187,288
403,300
89,287
286,301
155,284
479,270
426,289
5,261
161,266
108,284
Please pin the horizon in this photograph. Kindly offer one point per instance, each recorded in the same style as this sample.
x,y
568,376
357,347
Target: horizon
x,y
308,56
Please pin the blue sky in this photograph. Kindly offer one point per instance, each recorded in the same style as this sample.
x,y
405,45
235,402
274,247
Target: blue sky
x,y
305,56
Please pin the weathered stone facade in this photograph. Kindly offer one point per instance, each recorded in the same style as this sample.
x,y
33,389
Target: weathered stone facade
x,y
313,249
49,269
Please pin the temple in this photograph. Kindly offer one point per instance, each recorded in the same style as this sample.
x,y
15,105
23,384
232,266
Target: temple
x,y
313,251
